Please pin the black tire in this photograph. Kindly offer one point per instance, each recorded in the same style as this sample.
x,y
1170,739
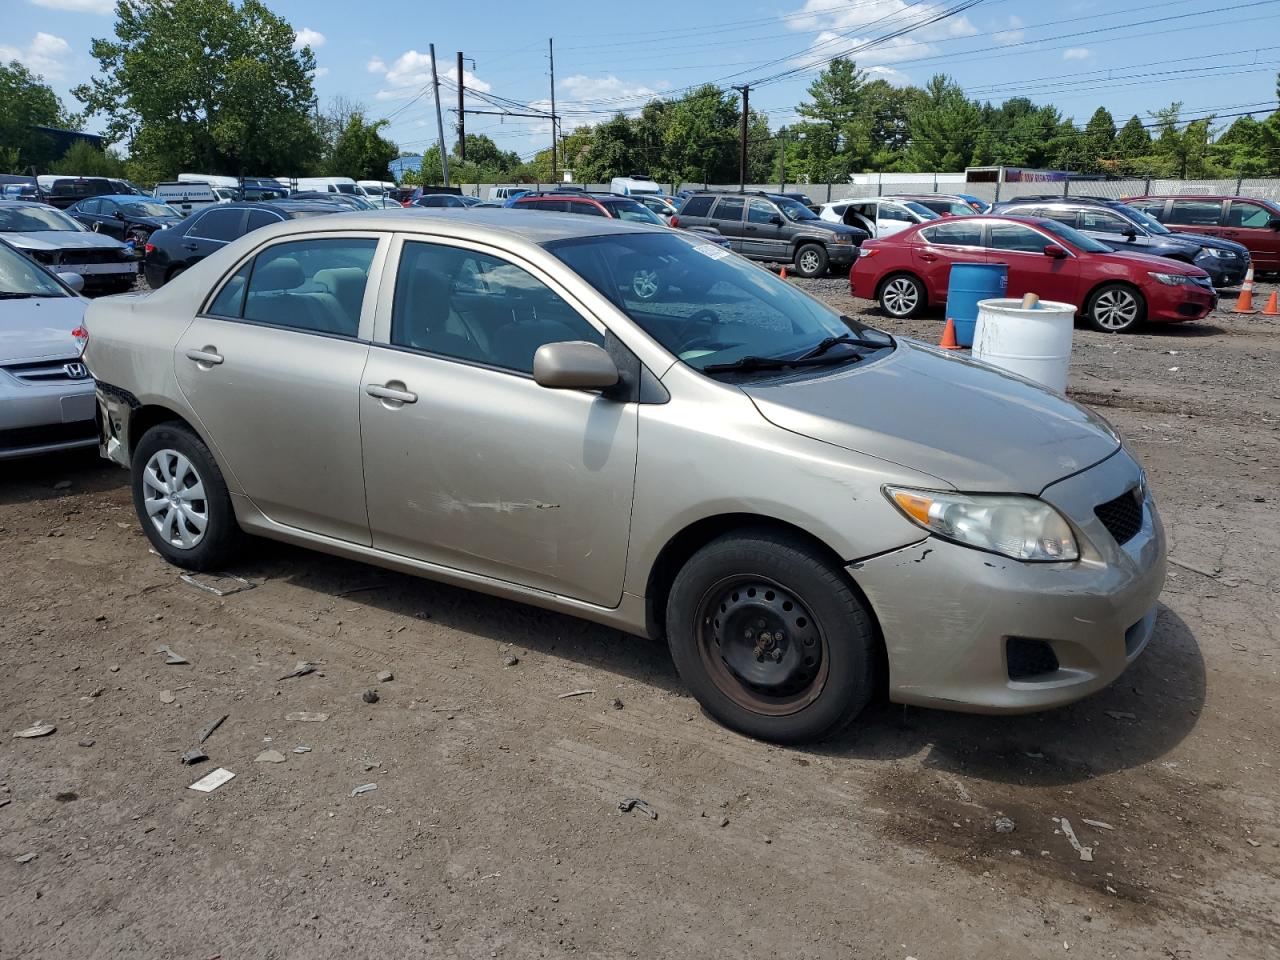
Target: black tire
x,y
175,272
902,296
820,637
1116,308
221,536
810,260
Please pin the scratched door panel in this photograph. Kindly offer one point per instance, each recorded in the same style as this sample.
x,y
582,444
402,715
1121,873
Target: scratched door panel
x,y
490,473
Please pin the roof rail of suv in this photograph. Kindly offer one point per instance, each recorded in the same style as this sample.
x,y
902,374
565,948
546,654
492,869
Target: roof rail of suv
x,y
1059,198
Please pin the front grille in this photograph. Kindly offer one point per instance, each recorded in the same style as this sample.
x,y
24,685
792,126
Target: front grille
x,y
1030,658
1193,310
49,371
1122,516
108,255
22,437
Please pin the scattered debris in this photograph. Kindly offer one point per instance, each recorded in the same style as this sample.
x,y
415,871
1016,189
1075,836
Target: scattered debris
x,y
1098,823
62,485
212,781
617,703
194,755
37,729
372,586
724,821
574,693
511,660
26,857
635,803
87,743
301,670
1121,715
386,676
96,692
1211,574
301,749
166,696
270,756
170,658
1086,853
207,732
66,796
1251,842
219,584
114,668
307,716
369,696
1005,825
5,801
363,789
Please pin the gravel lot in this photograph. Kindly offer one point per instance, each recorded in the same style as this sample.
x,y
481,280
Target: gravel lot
x,y
494,830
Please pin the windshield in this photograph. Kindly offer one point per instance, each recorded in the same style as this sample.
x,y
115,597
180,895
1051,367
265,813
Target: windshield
x,y
1151,223
633,210
346,187
19,277
701,302
1074,237
35,220
363,203
923,211
794,209
143,209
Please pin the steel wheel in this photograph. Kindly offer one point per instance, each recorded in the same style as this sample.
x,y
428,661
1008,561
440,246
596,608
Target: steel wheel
x,y
809,262
1115,309
761,646
645,284
175,501
900,297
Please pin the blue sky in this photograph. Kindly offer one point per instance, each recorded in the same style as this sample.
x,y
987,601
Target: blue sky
x,y
1128,55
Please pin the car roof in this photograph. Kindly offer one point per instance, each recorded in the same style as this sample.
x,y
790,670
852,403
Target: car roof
x,y
476,223
1199,196
36,204
124,197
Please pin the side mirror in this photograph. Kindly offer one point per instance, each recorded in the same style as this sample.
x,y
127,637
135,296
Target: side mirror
x,y
574,365
1274,223
72,280
1055,251
119,215
776,220
1129,232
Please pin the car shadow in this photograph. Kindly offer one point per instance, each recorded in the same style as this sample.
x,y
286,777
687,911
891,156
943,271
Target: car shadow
x,y
1147,712
40,478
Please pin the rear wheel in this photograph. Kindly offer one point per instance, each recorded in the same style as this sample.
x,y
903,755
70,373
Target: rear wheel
x,y
771,638
811,260
1115,308
902,296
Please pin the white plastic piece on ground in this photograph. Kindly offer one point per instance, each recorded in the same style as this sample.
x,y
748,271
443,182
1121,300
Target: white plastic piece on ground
x,y
1035,343
212,781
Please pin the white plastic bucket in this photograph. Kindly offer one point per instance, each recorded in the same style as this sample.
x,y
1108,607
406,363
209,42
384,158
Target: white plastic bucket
x,y
1034,343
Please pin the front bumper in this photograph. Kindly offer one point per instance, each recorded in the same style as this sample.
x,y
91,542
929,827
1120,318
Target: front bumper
x,y
1224,273
1185,301
840,254
36,420
948,612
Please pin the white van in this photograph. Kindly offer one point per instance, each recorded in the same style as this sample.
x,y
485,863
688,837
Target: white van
x,y
506,193
636,185
878,216
326,185
190,196
375,188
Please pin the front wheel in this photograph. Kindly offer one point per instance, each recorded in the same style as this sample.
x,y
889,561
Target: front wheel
x,y
771,638
1115,308
811,260
182,500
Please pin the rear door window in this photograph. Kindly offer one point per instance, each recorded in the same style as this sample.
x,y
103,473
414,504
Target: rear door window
x,y
964,234
1104,221
261,218
696,207
221,225
314,285
1061,214
1014,237
729,208
1195,213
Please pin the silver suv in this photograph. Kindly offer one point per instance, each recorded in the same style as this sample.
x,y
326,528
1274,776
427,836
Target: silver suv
x,y
807,508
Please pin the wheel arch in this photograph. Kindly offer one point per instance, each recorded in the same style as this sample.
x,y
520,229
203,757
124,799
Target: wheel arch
x,y
150,415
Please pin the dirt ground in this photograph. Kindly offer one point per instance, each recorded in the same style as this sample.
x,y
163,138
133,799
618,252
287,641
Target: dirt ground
x,y
494,830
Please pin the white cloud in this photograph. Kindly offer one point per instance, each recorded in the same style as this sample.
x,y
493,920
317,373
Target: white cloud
x,y
306,37
78,6
1076,53
46,55
1014,34
411,71
321,72
895,77
840,31
582,87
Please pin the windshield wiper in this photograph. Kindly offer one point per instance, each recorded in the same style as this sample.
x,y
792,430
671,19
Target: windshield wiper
x,y
776,363
829,342
10,295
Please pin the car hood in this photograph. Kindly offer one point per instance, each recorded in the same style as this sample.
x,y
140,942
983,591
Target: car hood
x,y
970,425
1216,243
1158,264
40,328
831,226
62,240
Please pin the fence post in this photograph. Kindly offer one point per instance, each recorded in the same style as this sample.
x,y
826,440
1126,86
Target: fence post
x,y
828,191
1066,189
935,182
1146,187
880,184
1239,184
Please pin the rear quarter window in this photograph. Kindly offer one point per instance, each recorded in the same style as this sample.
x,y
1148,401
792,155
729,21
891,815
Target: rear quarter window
x,y
954,234
696,207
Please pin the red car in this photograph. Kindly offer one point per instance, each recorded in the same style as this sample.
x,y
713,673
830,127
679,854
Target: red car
x,y
1114,291
1255,223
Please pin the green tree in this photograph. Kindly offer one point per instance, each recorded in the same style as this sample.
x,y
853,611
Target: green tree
x,y
26,100
702,137
85,160
206,85
1244,150
361,152
1133,148
943,127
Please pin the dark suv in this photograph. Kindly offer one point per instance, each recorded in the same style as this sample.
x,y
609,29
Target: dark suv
x,y
773,227
1127,230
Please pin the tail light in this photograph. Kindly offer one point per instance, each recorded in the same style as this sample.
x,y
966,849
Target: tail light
x,y
81,337
865,251
675,220
150,248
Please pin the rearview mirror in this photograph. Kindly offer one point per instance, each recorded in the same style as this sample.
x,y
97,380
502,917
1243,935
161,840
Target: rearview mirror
x,y
72,280
1055,251
574,365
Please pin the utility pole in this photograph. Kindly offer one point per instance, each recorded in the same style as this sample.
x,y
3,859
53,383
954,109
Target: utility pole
x,y
435,84
462,117
551,50
742,159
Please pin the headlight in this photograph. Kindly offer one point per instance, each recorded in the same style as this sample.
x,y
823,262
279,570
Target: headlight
x,y
1170,279
1024,528
1220,254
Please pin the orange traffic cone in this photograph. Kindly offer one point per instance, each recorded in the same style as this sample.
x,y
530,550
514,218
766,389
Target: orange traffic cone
x,y
1244,302
784,273
949,337
1272,308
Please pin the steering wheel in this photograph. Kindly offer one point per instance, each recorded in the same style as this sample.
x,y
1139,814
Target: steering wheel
x,y
703,339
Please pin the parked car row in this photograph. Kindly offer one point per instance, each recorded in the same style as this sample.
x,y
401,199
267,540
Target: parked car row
x,y
62,243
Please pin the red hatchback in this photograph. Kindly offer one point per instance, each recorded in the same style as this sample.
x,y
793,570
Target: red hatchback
x,y
910,270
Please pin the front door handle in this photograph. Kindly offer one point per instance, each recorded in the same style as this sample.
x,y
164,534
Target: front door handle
x,y
208,357
390,393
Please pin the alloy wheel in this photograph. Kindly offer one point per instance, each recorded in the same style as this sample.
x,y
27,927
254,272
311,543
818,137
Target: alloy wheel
x,y
900,296
761,646
1115,309
809,263
173,493
644,283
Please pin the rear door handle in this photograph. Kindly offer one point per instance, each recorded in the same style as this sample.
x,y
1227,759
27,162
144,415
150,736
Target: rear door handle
x,y
928,257
752,229
191,246
209,356
390,393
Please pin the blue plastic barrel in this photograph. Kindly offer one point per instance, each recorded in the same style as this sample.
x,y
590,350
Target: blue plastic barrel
x,y
971,282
